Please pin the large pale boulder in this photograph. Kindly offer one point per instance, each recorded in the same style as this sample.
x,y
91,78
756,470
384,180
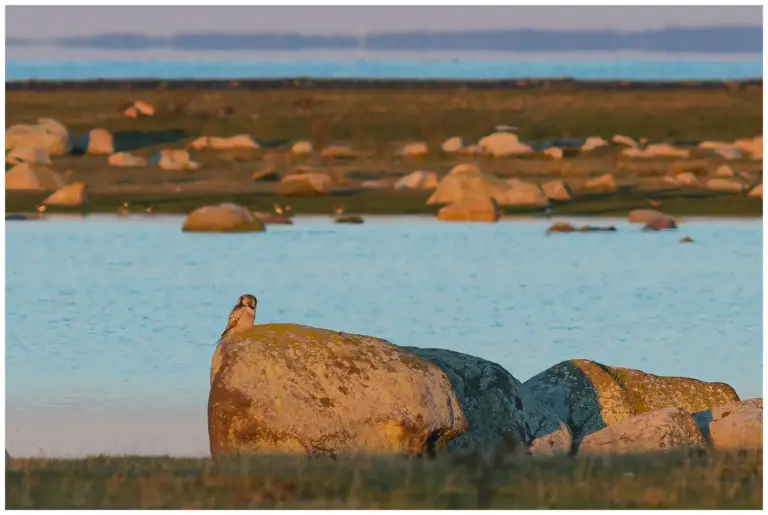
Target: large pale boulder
x,y
241,141
752,147
625,140
144,108
100,141
302,148
724,171
298,389
643,216
757,191
338,152
416,149
660,223
222,218
522,194
417,181
467,180
555,153
500,144
125,159
725,185
496,404
28,155
31,176
305,184
659,430
727,150
452,145
605,183
687,179
738,425
589,396
556,190
72,195
592,143
475,208
176,159
47,134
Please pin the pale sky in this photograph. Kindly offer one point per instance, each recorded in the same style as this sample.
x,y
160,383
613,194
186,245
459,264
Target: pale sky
x,y
56,21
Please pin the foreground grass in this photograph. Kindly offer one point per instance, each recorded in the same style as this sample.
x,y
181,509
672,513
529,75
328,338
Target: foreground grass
x,y
676,480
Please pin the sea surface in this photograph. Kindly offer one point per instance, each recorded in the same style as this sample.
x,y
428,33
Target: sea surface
x,y
82,65
111,322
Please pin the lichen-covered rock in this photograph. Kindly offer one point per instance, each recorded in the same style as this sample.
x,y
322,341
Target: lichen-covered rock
x,y
100,141
71,195
724,171
467,181
555,153
592,143
222,218
293,388
659,430
176,159
416,149
125,159
47,134
496,404
475,208
452,145
737,425
725,185
605,183
589,396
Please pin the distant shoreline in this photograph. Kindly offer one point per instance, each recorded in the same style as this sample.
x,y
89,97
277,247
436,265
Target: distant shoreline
x,y
304,83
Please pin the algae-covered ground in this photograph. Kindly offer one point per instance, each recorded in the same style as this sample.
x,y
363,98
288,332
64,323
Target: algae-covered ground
x,y
678,480
376,122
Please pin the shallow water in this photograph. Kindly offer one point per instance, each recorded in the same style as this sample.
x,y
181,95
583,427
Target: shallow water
x,y
111,323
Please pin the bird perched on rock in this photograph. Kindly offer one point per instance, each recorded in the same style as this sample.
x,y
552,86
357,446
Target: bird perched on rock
x,y
242,316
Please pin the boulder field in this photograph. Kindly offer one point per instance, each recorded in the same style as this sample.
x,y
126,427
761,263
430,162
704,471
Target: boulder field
x,y
288,388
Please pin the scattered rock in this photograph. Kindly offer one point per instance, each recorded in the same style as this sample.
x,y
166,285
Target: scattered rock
x,y
592,228
556,190
242,141
752,147
173,159
305,184
293,388
452,145
738,425
28,155
47,134
418,181
643,216
414,150
222,218
467,180
560,227
757,191
724,171
656,150
592,143
472,150
32,176
476,208
660,223
338,152
589,396
555,153
348,219
139,107
500,144
687,179
125,159
272,218
605,183
302,148
658,430
686,239
100,141
74,194
726,150
725,185
626,141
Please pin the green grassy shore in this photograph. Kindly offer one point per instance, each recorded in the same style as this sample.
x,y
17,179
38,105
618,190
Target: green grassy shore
x,y
376,122
678,480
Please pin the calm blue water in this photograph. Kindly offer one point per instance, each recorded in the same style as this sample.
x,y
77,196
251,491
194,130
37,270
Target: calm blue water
x,y
669,68
111,319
